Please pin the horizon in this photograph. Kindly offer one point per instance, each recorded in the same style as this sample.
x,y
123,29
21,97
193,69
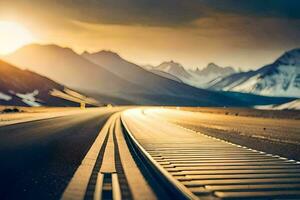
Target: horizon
x,y
237,68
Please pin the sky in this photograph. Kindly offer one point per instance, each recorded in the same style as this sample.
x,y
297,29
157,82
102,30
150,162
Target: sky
x,y
245,34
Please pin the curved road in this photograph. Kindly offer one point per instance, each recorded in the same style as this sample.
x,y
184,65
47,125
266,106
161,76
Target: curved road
x,y
142,153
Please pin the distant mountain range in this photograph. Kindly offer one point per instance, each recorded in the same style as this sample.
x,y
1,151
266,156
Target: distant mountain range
x,y
197,78
162,90
281,78
25,88
65,66
105,74
212,73
109,78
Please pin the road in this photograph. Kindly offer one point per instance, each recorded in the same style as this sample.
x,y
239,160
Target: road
x,y
38,158
142,153
279,136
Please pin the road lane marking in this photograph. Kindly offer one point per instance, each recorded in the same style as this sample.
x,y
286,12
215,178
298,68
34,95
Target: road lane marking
x,y
108,163
99,176
98,187
77,187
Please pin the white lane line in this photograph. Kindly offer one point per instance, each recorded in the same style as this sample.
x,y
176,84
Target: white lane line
x,y
77,186
116,187
108,163
98,187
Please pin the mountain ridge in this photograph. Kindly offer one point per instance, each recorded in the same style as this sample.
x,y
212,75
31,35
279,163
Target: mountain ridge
x,y
26,88
106,74
199,78
280,78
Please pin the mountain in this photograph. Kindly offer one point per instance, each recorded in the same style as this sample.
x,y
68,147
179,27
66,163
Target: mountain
x,y
163,90
134,73
170,92
211,73
112,62
213,69
197,78
65,66
109,78
153,69
25,88
281,78
105,74
174,69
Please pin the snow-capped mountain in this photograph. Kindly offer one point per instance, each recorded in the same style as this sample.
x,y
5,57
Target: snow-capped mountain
x,y
165,88
211,73
109,78
198,78
106,75
25,88
213,69
175,69
281,78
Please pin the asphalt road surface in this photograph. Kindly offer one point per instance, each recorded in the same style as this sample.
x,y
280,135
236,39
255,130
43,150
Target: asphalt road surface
x,y
39,158
147,153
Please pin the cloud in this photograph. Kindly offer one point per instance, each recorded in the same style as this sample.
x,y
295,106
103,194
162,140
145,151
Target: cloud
x,y
250,32
135,12
289,9
161,12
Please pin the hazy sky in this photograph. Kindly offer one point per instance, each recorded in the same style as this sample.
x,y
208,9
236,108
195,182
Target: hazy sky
x,y
239,33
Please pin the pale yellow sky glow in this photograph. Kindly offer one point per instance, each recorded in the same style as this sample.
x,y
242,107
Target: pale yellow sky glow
x,y
13,36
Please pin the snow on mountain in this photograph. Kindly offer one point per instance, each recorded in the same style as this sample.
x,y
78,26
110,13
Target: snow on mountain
x,y
164,83
30,98
105,75
197,78
213,69
112,62
5,97
25,88
108,77
281,78
292,105
174,69
211,73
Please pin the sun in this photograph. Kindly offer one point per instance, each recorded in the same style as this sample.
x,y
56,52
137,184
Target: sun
x,y
13,36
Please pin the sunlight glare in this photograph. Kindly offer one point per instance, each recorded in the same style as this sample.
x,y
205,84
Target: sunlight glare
x,y
13,36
